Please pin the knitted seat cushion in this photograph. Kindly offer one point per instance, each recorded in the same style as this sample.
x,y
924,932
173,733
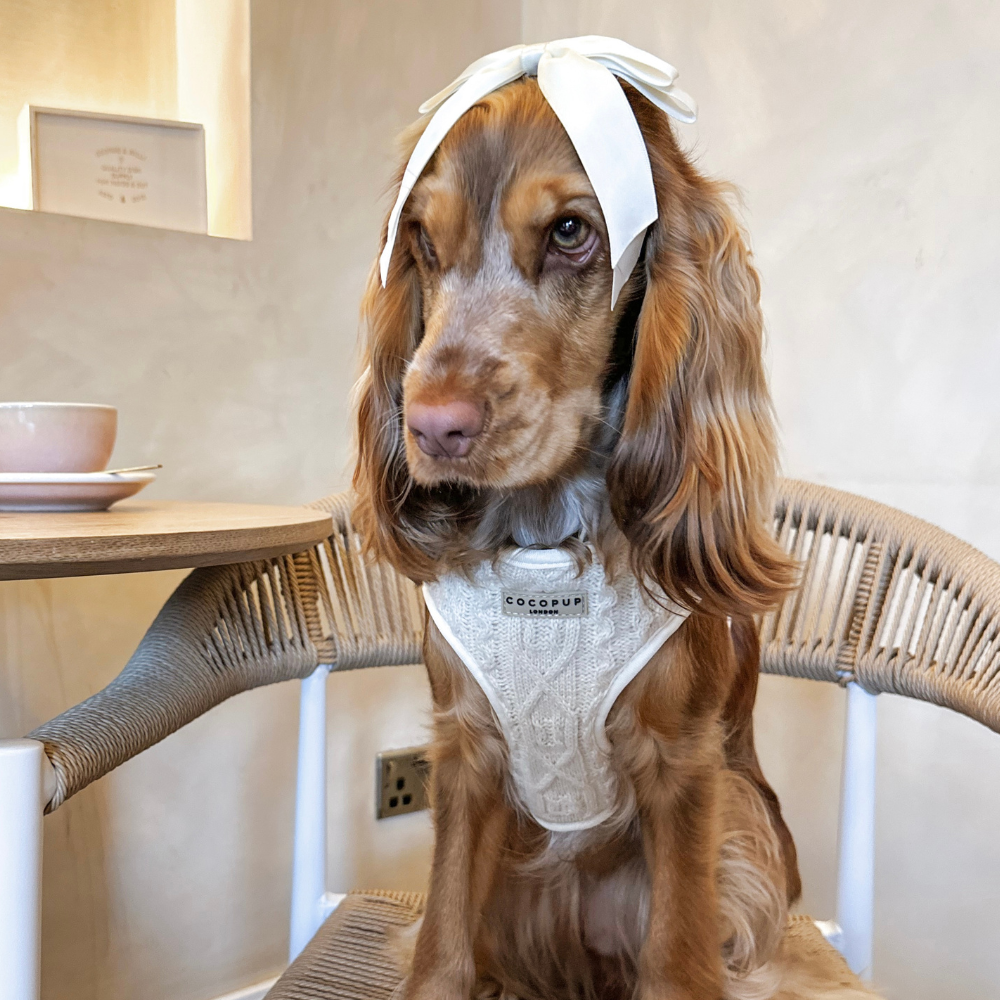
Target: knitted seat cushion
x,y
352,956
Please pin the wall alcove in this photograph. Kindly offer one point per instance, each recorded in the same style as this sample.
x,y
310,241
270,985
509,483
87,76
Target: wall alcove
x,y
179,60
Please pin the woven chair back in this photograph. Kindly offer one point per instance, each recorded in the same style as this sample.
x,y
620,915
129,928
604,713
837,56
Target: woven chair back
x,y
887,600
359,613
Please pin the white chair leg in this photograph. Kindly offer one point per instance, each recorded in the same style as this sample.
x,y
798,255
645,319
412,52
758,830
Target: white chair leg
x,y
856,873
311,904
23,795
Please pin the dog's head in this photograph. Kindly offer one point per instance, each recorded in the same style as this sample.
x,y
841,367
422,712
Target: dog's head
x,y
494,363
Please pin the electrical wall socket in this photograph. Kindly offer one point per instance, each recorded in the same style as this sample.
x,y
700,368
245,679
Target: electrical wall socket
x,y
401,778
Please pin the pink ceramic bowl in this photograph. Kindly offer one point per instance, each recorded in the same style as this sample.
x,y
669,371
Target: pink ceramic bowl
x,y
56,437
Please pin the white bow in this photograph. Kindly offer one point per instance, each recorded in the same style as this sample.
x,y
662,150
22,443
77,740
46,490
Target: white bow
x,y
577,78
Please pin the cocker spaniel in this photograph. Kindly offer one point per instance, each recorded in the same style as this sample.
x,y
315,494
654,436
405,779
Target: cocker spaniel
x,y
504,406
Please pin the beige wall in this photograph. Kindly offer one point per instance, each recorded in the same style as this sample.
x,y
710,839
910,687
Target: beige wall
x,y
213,88
864,137
231,363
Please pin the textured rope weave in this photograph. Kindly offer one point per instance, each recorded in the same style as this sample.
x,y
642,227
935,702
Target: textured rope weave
x,y
887,600
352,956
228,629
360,613
224,630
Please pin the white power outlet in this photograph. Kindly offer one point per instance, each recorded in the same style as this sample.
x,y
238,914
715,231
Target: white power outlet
x,y
401,778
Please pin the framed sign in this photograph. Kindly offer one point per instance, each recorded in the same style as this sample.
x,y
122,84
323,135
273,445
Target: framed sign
x,y
140,170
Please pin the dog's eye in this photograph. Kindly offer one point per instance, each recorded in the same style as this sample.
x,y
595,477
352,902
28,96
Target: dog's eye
x,y
569,233
426,246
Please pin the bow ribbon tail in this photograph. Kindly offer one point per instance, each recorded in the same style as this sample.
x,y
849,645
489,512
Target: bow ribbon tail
x,y
586,98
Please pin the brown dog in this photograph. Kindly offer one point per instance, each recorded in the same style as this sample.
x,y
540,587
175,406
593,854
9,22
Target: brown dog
x,y
503,404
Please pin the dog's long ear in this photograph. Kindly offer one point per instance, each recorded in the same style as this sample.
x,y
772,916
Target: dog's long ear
x,y
691,479
391,325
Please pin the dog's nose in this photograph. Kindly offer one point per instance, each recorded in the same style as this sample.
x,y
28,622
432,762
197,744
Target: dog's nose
x,y
445,430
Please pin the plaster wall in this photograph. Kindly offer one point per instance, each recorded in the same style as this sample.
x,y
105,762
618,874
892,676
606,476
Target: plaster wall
x,y
213,87
864,139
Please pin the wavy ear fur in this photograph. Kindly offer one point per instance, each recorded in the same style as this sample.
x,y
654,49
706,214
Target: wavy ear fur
x,y
391,330
402,523
399,522
692,476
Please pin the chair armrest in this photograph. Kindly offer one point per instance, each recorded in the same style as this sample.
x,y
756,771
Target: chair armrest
x,y
226,629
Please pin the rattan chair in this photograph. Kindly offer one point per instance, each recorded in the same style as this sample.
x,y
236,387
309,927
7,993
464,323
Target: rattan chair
x,y
888,604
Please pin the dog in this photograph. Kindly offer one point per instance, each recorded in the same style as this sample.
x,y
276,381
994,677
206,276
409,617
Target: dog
x,y
504,405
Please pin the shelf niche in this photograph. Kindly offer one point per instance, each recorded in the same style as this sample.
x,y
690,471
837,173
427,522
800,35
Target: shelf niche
x,y
180,60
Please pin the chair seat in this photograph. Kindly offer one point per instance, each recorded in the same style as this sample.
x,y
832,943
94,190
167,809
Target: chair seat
x,y
350,958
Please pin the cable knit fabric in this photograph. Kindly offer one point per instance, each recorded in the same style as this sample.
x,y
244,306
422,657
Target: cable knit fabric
x,y
552,649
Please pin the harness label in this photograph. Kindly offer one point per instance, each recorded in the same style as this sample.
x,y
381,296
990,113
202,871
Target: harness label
x,y
565,605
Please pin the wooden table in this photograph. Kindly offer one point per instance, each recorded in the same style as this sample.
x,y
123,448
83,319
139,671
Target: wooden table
x,y
136,536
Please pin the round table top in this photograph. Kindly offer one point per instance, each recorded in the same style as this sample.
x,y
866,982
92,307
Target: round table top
x,y
136,536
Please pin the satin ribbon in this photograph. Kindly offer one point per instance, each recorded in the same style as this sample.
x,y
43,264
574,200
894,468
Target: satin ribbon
x,y
577,78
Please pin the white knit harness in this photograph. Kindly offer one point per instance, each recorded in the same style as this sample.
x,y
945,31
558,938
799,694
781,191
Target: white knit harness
x,y
552,649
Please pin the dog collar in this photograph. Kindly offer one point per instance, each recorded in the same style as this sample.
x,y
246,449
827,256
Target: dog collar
x,y
577,78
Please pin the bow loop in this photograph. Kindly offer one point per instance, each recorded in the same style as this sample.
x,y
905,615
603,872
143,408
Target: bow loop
x,y
577,78
530,57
